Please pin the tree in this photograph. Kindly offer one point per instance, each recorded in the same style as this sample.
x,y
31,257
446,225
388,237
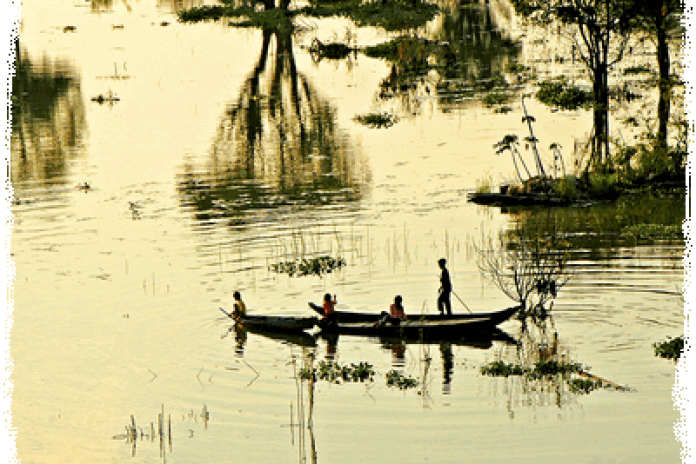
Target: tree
x,y
599,30
661,19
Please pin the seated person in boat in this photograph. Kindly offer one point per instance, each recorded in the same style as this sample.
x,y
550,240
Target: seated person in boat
x,y
329,308
396,310
239,306
396,313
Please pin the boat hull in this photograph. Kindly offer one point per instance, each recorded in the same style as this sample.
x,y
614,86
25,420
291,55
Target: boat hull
x,y
420,326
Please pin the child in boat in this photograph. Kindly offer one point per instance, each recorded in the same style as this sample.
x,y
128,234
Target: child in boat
x,y
239,306
329,305
396,310
329,308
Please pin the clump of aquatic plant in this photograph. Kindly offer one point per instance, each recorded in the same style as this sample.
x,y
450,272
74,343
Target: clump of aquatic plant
x,y
516,68
333,50
502,369
552,367
559,94
584,386
309,266
377,120
502,109
334,372
672,348
484,185
396,379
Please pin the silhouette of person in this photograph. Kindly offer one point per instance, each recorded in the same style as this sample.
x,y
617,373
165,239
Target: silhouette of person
x,y
443,299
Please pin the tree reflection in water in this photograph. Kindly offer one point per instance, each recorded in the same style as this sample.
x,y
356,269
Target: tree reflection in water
x,y
277,147
48,119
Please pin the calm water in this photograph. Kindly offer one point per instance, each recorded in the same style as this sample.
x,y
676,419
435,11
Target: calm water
x,y
230,150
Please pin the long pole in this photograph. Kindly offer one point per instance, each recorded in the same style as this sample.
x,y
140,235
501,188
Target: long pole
x,y
462,302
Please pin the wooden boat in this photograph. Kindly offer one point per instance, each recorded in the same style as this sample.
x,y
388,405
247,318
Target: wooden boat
x,y
275,323
356,323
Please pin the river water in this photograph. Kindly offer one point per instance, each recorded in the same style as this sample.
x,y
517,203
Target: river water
x,y
221,151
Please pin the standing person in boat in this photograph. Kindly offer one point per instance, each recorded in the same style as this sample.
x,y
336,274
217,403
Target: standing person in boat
x,y
443,299
240,310
396,310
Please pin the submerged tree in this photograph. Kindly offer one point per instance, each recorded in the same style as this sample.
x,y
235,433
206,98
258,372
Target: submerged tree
x,y
661,19
277,146
600,33
530,270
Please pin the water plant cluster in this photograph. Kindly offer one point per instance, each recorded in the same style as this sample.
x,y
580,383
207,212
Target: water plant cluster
x,y
334,372
377,120
559,94
309,266
672,348
651,232
546,369
396,379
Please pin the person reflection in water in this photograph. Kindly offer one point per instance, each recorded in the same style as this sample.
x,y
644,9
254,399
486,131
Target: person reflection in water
x,y
240,310
443,299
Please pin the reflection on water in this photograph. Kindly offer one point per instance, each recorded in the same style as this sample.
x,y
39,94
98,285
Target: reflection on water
x,y
48,119
277,148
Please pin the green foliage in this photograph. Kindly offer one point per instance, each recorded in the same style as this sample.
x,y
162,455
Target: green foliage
x,y
400,381
584,386
553,367
333,372
672,348
540,370
601,185
309,266
395,15
377,120
566,188
559,94
502,369
496,98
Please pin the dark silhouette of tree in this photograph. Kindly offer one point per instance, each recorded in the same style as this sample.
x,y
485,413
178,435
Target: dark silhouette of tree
x,y
278,146
600,32
48,117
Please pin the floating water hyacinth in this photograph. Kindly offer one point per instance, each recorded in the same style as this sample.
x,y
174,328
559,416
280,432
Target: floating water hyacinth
x,y
309,266
377,120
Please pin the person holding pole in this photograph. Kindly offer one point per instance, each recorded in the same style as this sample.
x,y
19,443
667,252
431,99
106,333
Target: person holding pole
x,y
443,299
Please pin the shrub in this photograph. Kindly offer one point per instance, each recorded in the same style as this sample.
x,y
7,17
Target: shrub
x,y
559,94
672,348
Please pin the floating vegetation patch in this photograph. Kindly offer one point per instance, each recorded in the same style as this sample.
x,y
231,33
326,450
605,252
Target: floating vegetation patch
x,y
558,93
502,369
333,372
396,379
503,110
309,266
584,386
377,120
540,370
672,348
330,50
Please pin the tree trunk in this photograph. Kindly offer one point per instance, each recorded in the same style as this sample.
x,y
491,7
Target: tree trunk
x,y
600,94
664,84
